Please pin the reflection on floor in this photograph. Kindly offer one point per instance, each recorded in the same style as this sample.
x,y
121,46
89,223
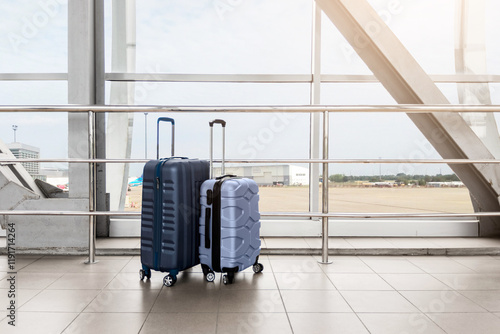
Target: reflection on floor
x,y
294,294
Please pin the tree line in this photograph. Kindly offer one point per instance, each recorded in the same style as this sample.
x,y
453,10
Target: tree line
x,y
400,178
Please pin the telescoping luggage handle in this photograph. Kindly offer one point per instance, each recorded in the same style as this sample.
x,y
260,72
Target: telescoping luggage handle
x,y
164,119
223,123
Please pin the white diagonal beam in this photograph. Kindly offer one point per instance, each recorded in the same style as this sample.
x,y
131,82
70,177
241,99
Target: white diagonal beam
x,y
407,82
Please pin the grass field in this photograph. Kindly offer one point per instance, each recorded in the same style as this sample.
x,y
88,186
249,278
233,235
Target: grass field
x,y
376,200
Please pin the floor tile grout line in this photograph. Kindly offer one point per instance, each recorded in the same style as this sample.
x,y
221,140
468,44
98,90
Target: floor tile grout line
x,y
152,305
345,300
399,292
419,310
39,292
100,291
466,266
281,296
218,303
151,309
472,301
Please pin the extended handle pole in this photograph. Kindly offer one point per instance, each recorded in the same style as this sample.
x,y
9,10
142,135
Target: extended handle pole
x,y
223,123
164,119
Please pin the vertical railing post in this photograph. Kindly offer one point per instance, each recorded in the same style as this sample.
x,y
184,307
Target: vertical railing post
x,y
324,186
315,117
92,189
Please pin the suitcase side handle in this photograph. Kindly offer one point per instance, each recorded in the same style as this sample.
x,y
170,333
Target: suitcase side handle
x,y
223,123
224,176
208,214
164,119
174,158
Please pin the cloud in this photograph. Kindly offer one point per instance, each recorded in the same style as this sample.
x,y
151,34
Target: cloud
x,y
254,38
33,36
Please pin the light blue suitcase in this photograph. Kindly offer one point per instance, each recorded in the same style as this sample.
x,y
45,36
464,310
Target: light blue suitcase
x,y
229,223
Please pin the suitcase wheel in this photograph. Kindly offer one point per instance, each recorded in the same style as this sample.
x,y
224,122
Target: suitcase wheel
x,y
210,277
257,268
228,279
143,274
169,280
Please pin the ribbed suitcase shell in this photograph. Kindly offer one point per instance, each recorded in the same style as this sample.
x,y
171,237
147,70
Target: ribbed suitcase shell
x,y
171,212
239,241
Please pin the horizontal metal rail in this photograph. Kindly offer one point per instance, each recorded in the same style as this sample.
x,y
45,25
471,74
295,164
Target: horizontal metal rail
x,y
263,214
284,78
34,76
277,161
247,78
408,108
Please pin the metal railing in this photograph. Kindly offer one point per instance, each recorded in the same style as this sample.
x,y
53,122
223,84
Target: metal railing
x,y
325,110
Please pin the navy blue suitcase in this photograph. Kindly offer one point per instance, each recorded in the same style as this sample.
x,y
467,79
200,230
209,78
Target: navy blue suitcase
x,y
170,213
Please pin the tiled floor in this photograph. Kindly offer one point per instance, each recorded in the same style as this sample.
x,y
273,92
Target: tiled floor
x,y
294,294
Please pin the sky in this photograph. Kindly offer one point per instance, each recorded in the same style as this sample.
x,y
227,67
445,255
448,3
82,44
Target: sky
x,y
230,37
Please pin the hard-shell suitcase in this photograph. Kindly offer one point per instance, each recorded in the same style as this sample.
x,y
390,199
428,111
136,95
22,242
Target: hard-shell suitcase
x,y
229,222
170,213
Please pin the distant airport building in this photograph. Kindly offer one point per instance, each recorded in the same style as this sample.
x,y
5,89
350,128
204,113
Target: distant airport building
x,y
268,175
56,176
452,184
23,151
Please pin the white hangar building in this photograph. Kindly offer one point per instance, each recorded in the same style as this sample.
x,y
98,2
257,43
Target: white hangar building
x,y
268,175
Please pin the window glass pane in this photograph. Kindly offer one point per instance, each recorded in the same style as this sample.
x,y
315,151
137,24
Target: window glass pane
x,y
492,36
248,136
33,92
425,28
337,55
46,131
258,135
355,94
215,94
495,99
374,135
450,90
223,37
35,36
495,93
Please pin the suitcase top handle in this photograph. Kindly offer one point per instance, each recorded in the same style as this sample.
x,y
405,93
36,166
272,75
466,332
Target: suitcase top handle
x,y
217,121
164,119
223,123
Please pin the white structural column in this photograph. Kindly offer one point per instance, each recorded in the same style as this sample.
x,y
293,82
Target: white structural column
x,y
81,90
119,129
100,120
315,118
470,58
407,82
